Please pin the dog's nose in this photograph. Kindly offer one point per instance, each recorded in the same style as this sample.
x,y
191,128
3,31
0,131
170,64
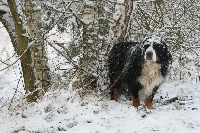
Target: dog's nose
x,y
149,55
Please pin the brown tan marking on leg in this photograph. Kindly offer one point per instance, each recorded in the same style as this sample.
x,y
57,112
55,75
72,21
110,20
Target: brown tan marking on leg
x,y
136,101
115,95
148,104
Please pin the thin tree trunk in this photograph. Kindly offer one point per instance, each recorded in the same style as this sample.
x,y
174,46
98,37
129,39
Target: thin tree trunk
x,y
26,59
85,78
10,29
33,21
121,28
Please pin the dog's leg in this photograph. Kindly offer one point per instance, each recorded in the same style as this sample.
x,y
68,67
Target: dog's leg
x,y
115,95
148,103
136,101
115,86
134,90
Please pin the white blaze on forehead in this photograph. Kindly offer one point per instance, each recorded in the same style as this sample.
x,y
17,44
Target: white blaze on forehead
x,y
152,39
150,49
150,42
155,39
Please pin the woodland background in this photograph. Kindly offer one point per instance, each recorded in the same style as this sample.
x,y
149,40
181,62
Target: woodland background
x,y
92,27
64,44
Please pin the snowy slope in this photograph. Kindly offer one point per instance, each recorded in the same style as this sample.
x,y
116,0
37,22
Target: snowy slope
x,y
63,110
177,106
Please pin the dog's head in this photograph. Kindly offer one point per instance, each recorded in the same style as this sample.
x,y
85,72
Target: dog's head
x,y
154,48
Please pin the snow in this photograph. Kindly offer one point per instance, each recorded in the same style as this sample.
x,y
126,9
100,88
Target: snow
x,y
120,1
64,110
151,39
89,3
4,8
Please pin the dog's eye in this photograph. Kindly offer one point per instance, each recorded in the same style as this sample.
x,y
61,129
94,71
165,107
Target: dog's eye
x,y
146,46
156,45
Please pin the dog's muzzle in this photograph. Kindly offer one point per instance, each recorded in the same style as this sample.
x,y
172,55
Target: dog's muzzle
x,y
149,55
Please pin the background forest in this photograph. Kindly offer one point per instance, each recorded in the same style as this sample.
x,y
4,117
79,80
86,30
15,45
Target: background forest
x,y
59,52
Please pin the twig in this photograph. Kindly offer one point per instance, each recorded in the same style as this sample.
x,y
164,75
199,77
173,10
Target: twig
x,y
30,44
14,94
4,62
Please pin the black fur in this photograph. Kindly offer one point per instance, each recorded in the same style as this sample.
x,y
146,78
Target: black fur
x,y
125,64
116,62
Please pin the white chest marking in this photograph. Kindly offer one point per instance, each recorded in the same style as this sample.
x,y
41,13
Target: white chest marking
x,y
150,78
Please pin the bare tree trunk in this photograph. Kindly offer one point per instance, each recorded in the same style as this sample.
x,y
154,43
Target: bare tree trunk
x,y
33,61
85,74
26,59
10,28
39,60
121,28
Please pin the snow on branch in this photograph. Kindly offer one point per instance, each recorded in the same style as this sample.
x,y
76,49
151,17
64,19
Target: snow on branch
x,y
4,8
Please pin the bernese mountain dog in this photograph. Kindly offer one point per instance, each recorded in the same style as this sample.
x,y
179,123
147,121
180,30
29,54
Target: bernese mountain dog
x,y
139,68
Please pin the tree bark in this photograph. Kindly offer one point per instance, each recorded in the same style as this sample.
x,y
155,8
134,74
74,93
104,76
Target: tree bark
x,y
26,59
85,74
122,26
39,59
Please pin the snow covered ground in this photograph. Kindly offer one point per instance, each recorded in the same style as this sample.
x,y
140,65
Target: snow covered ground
x,y
63,110
177,108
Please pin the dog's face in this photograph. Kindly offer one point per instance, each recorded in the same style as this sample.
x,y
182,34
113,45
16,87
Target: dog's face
x,y
154,48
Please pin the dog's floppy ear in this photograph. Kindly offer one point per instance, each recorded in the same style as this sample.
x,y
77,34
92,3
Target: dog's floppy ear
x,y
169,56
